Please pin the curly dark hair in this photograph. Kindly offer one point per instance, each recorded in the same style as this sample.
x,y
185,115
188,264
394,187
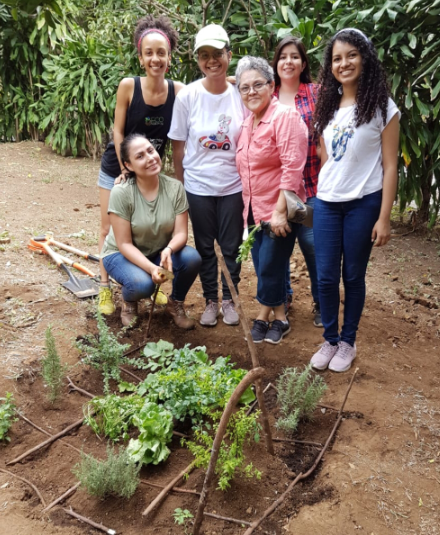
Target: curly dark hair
x,y
161,23
305,77
372,93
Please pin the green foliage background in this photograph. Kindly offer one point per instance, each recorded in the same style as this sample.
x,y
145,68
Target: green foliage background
x,y
61,62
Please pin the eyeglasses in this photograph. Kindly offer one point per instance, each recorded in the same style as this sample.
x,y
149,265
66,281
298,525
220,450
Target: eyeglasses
x,y
204,56
257,87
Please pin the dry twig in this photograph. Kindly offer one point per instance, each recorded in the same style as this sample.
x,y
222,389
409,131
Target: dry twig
x,y
27,482
71,512
68,493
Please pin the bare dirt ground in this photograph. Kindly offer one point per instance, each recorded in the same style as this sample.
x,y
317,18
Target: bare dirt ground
x,y
382,473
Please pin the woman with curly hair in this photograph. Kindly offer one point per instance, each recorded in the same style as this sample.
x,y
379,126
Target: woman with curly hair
x,y
144,105
359,128
294,87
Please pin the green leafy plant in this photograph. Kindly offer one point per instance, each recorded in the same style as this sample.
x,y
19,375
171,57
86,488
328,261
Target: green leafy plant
x,y
182,517
245,248
231,460
7,415
104,352
112,415
298,396
156,430
189,384
51,368
159,355
117,475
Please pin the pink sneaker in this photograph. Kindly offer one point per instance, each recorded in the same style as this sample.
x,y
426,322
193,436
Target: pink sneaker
x,y
321,358
345,355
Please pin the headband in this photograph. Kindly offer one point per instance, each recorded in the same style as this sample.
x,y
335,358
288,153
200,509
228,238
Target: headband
x,y
152,30
353,30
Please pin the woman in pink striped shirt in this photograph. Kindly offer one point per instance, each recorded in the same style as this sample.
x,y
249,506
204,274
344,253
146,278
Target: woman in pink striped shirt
x,y
271,154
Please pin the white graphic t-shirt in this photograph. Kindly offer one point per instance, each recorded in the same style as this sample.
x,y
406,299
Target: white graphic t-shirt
x,y
210,125
354,165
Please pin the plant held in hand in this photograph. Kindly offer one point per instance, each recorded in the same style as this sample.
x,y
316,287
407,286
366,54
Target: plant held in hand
x,y
7,415
298,396
245,248
51,368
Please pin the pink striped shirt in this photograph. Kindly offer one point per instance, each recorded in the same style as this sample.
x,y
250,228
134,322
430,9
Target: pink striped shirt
x,y
271,158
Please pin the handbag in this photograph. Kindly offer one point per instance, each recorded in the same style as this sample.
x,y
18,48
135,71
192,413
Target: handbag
x,y
298,211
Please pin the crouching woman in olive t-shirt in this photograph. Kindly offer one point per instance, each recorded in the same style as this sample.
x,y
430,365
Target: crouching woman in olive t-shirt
x,y
149,230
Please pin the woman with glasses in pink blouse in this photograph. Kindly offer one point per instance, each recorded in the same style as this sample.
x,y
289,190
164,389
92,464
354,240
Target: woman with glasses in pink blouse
x,y
271,154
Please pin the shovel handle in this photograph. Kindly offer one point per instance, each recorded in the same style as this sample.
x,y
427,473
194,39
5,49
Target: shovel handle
x,y
43,245
69,248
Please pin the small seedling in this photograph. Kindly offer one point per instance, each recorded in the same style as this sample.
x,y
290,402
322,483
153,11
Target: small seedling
x,y
7,415
118,475
298,396
51,368
182,517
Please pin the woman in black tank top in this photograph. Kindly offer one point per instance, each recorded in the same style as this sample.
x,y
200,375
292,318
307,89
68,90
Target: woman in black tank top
x,y
144,106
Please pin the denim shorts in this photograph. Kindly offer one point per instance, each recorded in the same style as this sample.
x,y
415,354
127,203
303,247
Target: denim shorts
x,y
105,181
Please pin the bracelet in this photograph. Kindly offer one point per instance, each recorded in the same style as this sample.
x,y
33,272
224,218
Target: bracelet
x,y
170,248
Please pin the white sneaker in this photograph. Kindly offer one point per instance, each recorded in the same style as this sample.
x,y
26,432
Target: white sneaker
x,y
345,355
321,358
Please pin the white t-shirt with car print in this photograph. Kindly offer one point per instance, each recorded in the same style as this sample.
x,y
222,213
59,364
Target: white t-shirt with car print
x,y
210,125
354,165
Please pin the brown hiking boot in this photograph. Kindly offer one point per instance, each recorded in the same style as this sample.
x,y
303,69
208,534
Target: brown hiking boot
x,y
177,311
129,313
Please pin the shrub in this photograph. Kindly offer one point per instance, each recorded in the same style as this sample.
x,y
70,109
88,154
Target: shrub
x,y
298,395
51,368
117,475
104,353
7,415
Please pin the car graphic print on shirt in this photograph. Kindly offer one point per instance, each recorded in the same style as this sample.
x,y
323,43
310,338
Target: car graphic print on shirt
x,y
340,140
219,140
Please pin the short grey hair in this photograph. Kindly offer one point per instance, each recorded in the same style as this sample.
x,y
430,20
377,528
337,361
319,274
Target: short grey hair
x,y
251,63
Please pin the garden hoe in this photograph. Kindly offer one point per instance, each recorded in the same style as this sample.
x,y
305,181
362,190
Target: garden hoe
x,y
82,288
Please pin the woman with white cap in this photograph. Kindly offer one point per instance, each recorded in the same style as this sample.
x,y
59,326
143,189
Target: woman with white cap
x,y
207,117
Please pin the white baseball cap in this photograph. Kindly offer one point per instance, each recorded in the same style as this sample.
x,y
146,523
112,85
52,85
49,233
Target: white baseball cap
x,y
212,35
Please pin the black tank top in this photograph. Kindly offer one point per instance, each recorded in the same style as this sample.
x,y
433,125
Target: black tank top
x,y
151,121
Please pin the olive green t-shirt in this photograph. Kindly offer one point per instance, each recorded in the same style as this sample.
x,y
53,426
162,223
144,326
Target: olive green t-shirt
x,y
152,222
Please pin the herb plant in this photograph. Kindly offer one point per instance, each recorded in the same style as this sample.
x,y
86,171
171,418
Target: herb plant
x,y
7,415
104,353
112,415
51,368
298,396
117,475
231,460
245,248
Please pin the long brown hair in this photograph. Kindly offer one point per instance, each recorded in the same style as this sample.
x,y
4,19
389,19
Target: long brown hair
x,y
305,77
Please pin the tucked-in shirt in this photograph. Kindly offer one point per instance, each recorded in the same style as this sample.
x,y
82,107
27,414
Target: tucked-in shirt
x,y
210,125
271,158
305,101
152,222
354,165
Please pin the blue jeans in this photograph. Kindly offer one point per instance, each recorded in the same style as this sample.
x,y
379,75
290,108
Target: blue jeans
x,y
137,283
306,243
343,236
270,257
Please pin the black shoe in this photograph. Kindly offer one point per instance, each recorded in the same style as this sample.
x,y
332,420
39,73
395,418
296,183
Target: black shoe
x,y
277,331
259,330
317,320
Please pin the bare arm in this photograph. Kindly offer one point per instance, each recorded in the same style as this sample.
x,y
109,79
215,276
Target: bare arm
x,y
178,153
123,97
390,145
122,230
177,242
278,221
